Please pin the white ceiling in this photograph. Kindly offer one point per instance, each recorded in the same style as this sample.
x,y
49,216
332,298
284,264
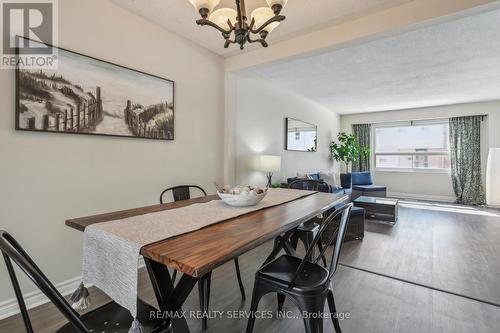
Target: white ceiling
x,y
449,63
303,16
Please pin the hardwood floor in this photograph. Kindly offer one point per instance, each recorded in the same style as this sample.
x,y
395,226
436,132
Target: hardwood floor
x,y
449,247
451,250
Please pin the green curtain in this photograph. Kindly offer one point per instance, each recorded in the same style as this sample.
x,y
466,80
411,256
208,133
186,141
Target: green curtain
x,y
362,133
465,148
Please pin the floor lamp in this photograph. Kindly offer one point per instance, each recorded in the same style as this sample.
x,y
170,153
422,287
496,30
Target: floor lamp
x,y
270,164
493,178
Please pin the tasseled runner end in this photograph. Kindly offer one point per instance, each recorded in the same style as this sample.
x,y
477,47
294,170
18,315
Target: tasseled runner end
x,y
80,298
136,327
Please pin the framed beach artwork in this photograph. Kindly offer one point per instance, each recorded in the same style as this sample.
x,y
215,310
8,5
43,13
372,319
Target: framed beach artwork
x,y
85,95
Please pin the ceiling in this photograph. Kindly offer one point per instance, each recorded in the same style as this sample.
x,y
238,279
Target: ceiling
x,y
449,63
303,16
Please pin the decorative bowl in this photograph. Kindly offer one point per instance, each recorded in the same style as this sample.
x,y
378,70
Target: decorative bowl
x,y
242,198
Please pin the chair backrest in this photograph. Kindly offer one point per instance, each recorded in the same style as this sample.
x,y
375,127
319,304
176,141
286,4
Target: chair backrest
x,y
182,192
13,252
362,178
339,234
310,185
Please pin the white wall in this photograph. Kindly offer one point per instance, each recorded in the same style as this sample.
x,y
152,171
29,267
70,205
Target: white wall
x,y
430,185
259,128
48,178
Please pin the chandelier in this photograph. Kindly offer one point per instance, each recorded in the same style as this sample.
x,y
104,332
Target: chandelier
x,y
235,22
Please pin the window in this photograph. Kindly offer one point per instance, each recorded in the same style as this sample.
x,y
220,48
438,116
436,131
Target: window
x,y
412,146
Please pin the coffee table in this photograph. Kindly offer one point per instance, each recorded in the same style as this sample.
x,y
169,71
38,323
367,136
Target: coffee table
x,y
379,208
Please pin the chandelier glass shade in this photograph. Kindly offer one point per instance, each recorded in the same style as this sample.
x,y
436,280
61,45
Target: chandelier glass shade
x,y
208,4
235,26
223,17
261,16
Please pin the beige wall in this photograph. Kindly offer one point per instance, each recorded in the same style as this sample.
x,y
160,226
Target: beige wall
x,y
259,128
47,178
430,185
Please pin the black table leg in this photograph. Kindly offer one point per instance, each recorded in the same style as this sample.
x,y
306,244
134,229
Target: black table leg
x,y
170,299
281,242
204,291
238,275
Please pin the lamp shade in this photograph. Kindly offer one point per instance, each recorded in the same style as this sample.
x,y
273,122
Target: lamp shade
x,y
493,178
270,163
220,17
261,15
208,4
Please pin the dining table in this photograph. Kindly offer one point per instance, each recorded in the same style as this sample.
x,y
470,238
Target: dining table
x,y
197,253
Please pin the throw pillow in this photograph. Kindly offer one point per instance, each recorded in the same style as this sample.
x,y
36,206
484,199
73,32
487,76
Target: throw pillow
x,y
329,178
303,176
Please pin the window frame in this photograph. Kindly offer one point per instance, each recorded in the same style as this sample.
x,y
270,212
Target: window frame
x,y
374,154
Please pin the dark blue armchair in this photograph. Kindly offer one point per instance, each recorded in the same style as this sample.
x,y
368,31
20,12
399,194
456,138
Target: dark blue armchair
x,y
362,184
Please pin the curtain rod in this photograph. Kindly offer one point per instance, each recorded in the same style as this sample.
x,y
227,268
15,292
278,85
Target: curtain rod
x,y
420,119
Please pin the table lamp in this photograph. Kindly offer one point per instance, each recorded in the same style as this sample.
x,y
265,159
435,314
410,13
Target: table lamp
x,y
493,178
270,164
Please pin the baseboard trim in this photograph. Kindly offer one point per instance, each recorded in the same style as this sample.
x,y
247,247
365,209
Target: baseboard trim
x,y
416,196
36,298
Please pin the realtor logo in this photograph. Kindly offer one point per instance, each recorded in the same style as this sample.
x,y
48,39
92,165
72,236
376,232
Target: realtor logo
x,y
27,28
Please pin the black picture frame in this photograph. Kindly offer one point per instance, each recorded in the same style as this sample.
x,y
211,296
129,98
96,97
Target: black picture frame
x,y
287,120
165,137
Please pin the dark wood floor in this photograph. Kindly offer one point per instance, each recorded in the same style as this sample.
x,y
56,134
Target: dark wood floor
x,y
444,246
451,250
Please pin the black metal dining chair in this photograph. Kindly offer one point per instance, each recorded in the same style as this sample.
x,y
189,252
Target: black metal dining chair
x,y
183,192
307,283
110,317
307,231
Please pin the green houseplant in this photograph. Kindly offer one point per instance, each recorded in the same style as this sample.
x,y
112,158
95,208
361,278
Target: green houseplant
x,y
347,151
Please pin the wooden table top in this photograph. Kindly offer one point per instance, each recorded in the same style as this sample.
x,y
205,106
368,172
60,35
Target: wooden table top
x,y
199,252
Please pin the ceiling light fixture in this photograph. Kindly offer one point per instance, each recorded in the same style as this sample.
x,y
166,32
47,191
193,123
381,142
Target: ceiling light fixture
x,y
229,21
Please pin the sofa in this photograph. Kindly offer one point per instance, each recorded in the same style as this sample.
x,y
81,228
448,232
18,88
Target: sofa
x,y
321,187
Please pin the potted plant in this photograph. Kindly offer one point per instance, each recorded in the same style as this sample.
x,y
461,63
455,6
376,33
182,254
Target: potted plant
x,y
346,150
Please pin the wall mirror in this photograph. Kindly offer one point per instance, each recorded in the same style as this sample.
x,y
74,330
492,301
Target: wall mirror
x,y
301,136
